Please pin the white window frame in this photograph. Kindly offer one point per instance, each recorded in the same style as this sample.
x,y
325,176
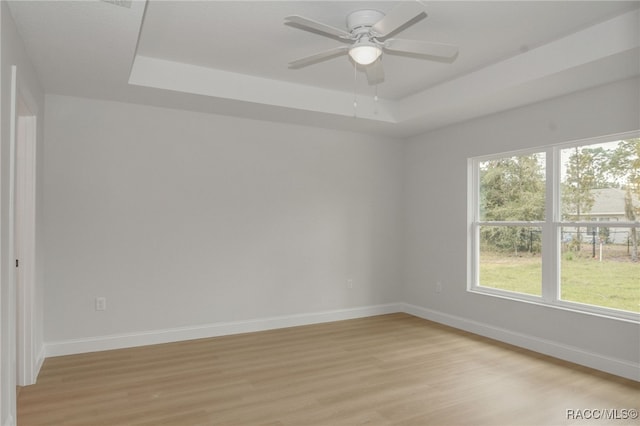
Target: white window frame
x,y
551,261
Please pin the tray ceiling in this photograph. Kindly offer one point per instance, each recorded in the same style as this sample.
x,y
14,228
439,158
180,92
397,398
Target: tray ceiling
x,y
231,57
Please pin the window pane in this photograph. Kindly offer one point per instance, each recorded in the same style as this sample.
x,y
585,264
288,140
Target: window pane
x,y
599,269
513,188
601,182
510,258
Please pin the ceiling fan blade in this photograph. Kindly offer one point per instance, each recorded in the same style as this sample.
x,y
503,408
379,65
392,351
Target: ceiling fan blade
x,y
317,26
375,72
318,57
405,12
424,48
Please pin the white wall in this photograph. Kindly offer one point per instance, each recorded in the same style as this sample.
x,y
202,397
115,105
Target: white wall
x,y
435,217
182,219
13,53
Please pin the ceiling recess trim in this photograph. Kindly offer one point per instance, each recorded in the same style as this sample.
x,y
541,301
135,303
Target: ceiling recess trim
x,y
456,100
187,78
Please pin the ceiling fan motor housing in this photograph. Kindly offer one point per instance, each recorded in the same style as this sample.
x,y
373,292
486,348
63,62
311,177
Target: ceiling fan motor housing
x,y
361,21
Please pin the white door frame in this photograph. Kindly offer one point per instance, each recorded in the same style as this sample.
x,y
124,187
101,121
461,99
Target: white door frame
x,y
8,353
25,244
22,229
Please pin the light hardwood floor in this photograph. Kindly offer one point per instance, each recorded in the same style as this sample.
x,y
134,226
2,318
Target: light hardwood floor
x,y
385,370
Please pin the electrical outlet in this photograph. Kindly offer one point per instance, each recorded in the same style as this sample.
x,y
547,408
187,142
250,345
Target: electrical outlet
x,y
349,283
101,303
439,287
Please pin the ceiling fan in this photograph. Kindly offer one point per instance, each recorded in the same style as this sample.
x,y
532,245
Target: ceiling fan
x,y
368,36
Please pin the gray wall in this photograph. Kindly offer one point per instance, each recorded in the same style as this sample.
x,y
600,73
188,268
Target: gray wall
x,y
180,218
435,215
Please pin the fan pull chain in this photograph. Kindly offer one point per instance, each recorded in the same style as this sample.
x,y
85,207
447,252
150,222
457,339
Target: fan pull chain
x,y
355,96
375,100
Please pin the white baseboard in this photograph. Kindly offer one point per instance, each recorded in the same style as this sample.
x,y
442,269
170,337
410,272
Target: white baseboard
x,y
610,365
618,367
129,340
38,362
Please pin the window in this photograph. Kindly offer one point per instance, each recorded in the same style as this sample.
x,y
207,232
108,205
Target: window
x,y
559,226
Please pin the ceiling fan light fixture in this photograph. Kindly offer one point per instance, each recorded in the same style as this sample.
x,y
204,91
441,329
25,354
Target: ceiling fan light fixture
x,y
365,52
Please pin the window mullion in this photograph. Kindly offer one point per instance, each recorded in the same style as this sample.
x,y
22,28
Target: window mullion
x,y
550,244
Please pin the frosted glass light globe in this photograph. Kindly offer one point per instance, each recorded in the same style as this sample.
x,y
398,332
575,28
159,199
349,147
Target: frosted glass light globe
x,y
365,53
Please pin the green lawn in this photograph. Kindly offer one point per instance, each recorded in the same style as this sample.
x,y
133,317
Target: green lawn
x,y
610,283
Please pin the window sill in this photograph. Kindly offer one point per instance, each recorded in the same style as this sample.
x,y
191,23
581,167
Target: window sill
x,y
612,314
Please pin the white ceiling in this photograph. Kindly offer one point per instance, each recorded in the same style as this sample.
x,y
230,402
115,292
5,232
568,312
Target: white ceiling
x,y
231,57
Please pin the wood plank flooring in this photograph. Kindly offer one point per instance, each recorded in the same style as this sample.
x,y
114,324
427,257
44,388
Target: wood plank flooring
x,y
385,370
